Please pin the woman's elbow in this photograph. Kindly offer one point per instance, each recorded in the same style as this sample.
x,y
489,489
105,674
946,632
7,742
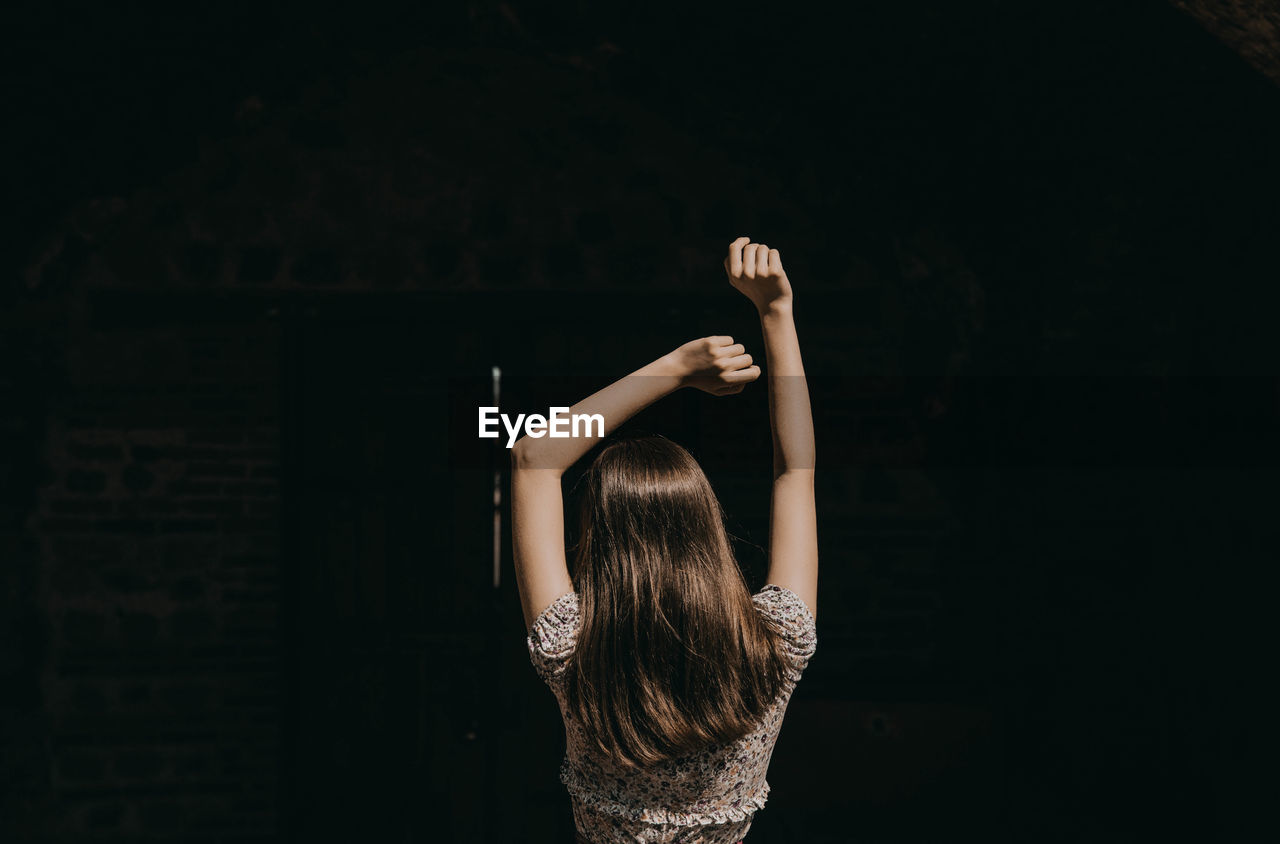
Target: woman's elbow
x,y
520,453
794,474
528,453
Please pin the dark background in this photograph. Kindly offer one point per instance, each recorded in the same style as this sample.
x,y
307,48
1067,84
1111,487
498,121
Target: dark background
x,y
260,263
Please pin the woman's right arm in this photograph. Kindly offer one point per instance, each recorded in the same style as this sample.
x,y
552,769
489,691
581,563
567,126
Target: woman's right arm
x,y
757,272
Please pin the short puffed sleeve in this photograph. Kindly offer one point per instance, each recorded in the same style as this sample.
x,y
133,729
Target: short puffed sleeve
x,y
553,636
793,620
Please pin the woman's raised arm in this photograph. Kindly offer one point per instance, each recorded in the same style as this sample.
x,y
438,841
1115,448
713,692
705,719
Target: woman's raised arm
x,y
715,365
757,272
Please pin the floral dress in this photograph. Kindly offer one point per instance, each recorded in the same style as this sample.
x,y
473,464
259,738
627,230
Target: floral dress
x,y
707,797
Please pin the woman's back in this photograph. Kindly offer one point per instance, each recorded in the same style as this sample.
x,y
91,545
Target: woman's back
x,y
707,796
672,679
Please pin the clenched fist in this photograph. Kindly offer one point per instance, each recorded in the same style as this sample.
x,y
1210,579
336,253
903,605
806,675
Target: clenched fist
x,y
756,271
715,365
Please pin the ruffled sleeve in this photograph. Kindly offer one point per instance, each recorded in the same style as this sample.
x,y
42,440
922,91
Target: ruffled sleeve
x,y
792,618
553,636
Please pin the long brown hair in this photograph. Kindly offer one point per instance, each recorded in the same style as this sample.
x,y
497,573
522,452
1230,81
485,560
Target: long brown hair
x,y
671,656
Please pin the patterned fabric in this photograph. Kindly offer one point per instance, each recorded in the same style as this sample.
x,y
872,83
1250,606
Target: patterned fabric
x,y
708,797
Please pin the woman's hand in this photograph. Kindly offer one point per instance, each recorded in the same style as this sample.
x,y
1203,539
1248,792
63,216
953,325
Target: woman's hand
x,y
756,271
715,365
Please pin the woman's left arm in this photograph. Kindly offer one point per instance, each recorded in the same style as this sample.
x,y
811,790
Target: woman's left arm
x,y
713,364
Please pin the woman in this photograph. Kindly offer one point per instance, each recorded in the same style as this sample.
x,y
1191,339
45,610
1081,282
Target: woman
x,y
671,678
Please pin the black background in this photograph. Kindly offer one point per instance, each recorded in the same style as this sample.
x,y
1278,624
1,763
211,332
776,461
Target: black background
x,y
1055,645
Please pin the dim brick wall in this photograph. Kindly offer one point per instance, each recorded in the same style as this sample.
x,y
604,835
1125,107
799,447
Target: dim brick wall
x,y
158,528
467,170
883,522
151,558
